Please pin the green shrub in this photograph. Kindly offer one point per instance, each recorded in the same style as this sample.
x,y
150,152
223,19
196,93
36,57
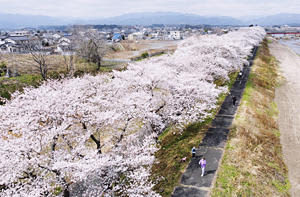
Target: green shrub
x,y
145,55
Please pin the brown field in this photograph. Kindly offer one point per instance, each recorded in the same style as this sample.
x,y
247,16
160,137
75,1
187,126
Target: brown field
x,y
131,49
25,64
125,50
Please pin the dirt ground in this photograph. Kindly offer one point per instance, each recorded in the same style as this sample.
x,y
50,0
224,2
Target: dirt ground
x,y
131,49
288,101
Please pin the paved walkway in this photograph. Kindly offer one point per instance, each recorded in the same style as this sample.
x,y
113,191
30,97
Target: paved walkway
x,y
212,145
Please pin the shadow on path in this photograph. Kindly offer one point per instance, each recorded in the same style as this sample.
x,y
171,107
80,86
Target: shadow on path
x,y
212,145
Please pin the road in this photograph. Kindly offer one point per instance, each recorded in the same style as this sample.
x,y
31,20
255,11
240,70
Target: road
x,y
287,98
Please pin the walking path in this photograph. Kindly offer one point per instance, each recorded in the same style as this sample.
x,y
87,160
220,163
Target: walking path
x,y
212,145
288,102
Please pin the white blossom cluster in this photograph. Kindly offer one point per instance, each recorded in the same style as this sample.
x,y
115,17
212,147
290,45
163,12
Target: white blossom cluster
x,y
46,132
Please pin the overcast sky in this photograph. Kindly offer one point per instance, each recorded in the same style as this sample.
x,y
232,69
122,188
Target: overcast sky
x,y
108,8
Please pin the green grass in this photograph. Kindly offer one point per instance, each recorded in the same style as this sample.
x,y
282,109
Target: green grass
x,y
32,80
57,191
273,110
229,173
10,85
248,91
164,133
228,83
282,187
175,145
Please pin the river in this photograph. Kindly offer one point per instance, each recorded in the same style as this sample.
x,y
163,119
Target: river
x,y
293,44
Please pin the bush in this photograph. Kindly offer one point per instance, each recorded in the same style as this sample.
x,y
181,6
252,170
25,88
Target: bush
x,y
2,68
2,65
145,55
78,73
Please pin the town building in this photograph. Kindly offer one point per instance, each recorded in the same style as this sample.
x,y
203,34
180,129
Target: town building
x,y
176,35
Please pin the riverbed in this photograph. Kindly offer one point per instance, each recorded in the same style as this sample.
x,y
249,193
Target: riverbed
x,y
287,99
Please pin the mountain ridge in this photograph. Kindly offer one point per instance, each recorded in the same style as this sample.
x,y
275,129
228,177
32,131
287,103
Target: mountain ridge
x,y
14,21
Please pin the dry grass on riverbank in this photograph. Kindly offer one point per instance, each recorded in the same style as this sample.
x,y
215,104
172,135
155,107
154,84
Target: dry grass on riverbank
x,y
253,162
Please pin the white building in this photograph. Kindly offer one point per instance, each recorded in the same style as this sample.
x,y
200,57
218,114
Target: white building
x,y
64,41
56,36
176,35
19,33
136,36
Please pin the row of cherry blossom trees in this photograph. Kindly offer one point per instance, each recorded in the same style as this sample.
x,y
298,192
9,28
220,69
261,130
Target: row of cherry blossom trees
x,y
95,135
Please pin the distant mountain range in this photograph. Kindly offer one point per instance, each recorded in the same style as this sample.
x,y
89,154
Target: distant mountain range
x,y
174,18
278,19
13,21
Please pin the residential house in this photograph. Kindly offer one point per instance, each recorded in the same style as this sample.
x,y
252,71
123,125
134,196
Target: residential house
x,y
19,33
56,36
117,37
14,44
175,35
64,46
64,41
3,48
136,36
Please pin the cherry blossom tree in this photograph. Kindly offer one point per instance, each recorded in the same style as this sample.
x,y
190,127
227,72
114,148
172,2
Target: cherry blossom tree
x,y
95,135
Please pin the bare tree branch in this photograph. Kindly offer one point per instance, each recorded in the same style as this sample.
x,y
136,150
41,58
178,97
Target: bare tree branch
x,y
38,56
92,48
69,63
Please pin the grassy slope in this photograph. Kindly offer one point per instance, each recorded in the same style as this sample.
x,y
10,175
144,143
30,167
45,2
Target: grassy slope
x,y
174,145
9,86
253,164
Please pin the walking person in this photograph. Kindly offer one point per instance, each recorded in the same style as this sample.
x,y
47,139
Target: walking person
x,y
193,151
233,100
202,164
240,77
240,74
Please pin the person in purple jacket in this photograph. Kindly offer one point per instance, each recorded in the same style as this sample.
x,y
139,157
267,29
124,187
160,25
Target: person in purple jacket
x,y
202,164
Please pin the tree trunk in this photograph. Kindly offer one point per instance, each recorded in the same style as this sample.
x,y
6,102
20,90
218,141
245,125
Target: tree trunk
x,y
98,63
66,193
97,143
